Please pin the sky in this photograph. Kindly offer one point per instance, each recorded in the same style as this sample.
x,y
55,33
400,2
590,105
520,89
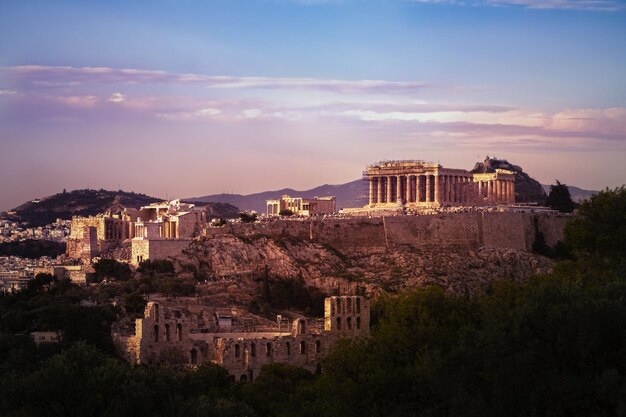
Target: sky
x,y
183,98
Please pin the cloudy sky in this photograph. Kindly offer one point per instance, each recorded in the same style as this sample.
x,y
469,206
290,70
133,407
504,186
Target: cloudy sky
x,y
184,98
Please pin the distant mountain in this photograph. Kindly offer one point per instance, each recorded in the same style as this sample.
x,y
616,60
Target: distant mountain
x,y
351,194
527,189
42,211
577,194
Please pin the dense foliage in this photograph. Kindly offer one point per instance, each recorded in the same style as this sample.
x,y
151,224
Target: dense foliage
x,y
111,269
552,346
560,198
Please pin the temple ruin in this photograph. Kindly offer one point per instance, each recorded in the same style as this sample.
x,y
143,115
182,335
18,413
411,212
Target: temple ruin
x,y
422,184
302,206
165,224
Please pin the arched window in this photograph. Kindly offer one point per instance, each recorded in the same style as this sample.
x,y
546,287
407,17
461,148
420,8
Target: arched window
x,y
303,347
288,348
156,312
358,323
338,323
194,356
338,305
349,302
268,349
358,306
318,346
301,327
253,349
243,378
156,332
349,323
179,332
237,351
167,332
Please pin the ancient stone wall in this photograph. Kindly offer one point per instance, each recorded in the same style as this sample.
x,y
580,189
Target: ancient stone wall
x,y
186,332
490,229
144,249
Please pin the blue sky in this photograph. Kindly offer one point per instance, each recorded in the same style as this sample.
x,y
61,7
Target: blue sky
x,y
165,97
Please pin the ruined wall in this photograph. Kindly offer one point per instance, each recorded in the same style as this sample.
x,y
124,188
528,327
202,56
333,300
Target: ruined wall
x,y
144,249
180,332
490,229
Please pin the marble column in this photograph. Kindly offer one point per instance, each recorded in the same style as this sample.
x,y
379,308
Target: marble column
x,y
407,188
437,195
498,191
489,192
371,196
418,188
388,199
398,188
380,190
428,188
513,192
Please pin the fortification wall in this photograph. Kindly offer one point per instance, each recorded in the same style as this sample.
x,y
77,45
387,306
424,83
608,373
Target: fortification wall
x,y
490,229
144,249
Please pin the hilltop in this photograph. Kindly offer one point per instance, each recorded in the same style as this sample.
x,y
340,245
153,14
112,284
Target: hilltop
x,y
87,202
353,193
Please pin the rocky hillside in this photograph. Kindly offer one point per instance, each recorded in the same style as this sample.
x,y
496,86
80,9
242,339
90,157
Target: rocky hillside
x,y
527,189
232,266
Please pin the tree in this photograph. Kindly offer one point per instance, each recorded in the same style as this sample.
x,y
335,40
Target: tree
x,y
112,269
247,217
285,212
42,281
159,266
599,230
560,198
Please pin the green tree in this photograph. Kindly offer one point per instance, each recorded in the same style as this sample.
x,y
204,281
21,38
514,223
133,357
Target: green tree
x,y
247,217
286,212
560,198
112,269
42,281
158,266
599,230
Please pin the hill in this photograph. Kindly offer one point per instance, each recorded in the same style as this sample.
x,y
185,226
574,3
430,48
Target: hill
x,y
88,202
351,194
354,194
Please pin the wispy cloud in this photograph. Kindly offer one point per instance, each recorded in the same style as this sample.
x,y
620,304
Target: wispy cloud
x,y
395,110
60,75
590,5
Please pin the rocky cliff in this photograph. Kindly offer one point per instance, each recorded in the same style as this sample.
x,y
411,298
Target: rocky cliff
x,y
233,265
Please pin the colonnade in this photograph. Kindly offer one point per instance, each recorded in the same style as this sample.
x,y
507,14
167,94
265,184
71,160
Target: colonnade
x,y
439,189
496,191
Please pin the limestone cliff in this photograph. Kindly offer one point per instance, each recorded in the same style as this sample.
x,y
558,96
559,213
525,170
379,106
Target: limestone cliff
x,y
232,265
527,189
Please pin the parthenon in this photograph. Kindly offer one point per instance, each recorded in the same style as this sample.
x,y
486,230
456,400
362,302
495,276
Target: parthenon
x,y
422,184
